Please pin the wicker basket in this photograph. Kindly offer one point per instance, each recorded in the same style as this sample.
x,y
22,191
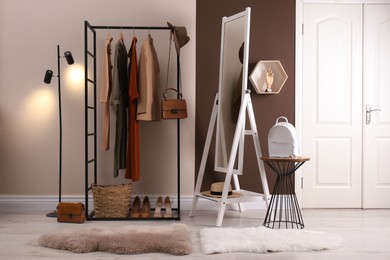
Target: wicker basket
x,y
111,201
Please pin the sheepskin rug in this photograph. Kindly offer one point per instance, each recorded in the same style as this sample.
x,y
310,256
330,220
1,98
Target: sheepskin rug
x,y
172,239
263,240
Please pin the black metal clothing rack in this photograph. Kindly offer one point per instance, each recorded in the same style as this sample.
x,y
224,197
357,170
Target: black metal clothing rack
x,y
91,82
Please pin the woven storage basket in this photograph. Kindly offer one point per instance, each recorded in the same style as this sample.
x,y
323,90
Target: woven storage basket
x,y
111,201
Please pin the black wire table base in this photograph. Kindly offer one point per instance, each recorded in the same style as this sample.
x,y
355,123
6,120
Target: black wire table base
x,y
283,209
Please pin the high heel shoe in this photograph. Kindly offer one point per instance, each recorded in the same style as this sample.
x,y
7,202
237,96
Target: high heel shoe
x,y
157,210
135,210
168,207
145,210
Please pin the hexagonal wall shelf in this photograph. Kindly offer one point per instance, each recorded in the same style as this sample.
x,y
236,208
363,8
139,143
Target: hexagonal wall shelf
x,y
259,73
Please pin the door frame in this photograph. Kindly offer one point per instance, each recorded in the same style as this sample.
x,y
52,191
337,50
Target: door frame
x,y
299,4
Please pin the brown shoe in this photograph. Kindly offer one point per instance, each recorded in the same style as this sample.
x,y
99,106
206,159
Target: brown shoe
x,y
145,210
135,210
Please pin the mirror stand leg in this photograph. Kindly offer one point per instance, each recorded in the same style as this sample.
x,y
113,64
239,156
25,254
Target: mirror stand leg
x,y
194,205
238,188
221,213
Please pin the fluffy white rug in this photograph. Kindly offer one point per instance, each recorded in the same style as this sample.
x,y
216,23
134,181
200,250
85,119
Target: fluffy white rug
x,y
172,239
263,240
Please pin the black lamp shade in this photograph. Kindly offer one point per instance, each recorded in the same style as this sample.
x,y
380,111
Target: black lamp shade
x,y
48,76
69,57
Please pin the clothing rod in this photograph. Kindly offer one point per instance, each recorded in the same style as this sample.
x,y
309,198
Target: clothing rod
x,y
132,27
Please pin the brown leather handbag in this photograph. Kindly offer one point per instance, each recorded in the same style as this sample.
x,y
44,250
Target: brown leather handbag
x,y
71,212
173,108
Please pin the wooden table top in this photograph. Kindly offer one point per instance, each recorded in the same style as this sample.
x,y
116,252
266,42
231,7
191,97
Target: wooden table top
x,y
284,159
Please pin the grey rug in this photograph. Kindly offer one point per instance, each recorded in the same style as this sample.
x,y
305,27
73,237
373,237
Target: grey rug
x,y
263,240
172,239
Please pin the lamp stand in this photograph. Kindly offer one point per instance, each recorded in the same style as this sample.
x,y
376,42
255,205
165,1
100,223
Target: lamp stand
x,y
54,214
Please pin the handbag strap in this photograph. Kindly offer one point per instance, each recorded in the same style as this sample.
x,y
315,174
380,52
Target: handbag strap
x,y
179,92
166,93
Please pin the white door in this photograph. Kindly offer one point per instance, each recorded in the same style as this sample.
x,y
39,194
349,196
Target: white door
x,y
332,106
341,81
376,146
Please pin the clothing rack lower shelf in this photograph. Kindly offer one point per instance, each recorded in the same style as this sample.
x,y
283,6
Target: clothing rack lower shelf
x,y
175,216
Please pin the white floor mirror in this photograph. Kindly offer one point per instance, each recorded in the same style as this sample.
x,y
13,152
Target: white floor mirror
x,y
231,106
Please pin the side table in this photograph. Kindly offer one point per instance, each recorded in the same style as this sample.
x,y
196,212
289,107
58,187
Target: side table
x,y
283,210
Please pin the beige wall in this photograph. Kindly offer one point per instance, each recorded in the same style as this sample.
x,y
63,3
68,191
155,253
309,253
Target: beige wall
x,y
30,31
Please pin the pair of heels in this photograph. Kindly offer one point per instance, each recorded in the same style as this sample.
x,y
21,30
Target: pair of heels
x,y
139,211
167,204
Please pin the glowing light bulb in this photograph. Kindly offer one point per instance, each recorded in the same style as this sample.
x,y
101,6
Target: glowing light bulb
x,y
74,77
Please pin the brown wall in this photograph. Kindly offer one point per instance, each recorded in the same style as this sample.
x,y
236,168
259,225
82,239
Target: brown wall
x,y
272,37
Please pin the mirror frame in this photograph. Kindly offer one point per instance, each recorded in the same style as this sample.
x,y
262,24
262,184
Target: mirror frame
x,y
238,166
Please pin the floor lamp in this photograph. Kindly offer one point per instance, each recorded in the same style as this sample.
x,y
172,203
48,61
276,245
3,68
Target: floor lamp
x,y
48,76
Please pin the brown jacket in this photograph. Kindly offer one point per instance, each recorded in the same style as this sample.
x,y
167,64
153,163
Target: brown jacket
x,y
133,157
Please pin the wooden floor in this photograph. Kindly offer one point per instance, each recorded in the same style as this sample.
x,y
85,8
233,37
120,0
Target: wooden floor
x,y
366,232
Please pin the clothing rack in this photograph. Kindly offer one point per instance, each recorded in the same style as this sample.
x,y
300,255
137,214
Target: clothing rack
x,y
92,82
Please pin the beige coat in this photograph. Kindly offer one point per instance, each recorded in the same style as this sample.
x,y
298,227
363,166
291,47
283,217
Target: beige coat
x,y
149,107
105,92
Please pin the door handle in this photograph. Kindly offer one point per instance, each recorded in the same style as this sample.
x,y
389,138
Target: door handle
x,y
368,113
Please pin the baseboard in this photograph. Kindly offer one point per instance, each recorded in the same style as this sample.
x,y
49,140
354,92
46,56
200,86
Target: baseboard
x,y
47,203
34,203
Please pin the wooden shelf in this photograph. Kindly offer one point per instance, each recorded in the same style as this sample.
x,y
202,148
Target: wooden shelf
x,y
247,196
257,77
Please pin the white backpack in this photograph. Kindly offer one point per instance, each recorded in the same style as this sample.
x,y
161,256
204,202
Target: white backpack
x,y
282,140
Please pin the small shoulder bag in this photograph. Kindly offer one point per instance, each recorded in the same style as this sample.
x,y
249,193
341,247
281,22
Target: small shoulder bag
x,y
173,108
71,212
